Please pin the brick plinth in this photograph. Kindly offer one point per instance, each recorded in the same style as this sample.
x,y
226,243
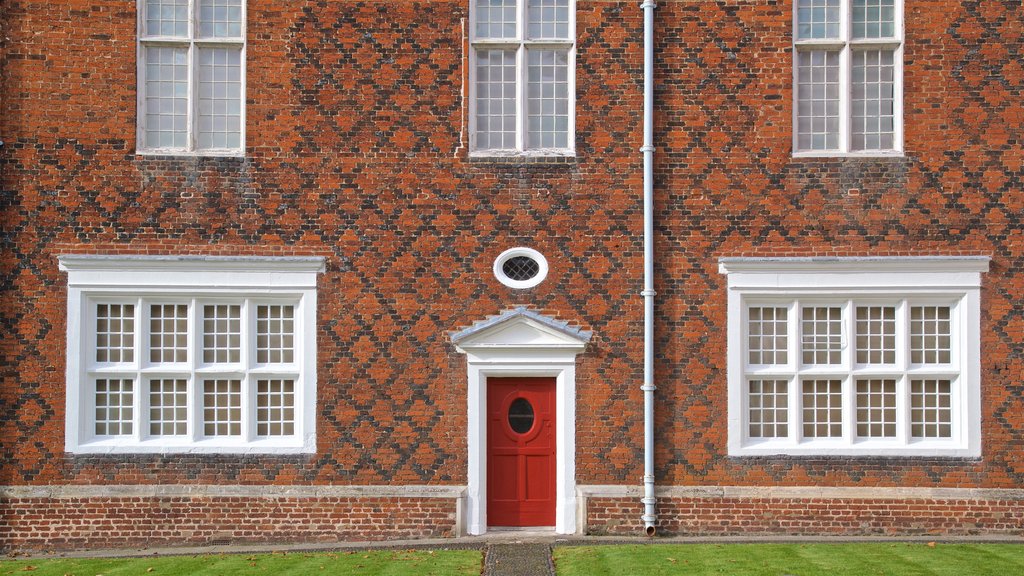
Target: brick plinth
x,y
811,516
78,523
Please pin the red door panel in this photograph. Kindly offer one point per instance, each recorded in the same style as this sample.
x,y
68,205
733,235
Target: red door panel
x,y
521,451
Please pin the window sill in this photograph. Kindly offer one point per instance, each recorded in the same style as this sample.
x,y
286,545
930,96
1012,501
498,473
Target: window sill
x,y
168,446
866,155
240,154
866,449
545,156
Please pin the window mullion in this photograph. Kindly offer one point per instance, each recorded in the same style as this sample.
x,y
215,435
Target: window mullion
x,y
193,102
793,333
247,344
193,389
138,345
845,77
522,113
793,403
521,104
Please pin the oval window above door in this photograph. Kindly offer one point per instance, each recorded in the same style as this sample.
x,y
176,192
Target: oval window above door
x,y
520,416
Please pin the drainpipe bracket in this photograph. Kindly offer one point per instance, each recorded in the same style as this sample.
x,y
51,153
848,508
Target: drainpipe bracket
x,y
649,4
648,387
648,148
648,292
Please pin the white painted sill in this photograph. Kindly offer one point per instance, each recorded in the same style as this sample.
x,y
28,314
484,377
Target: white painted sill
x,y
866,450
861,154
531,153
166,153
113,446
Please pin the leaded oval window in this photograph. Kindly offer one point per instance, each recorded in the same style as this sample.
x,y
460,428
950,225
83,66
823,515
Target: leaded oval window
x,y
521,268
520,416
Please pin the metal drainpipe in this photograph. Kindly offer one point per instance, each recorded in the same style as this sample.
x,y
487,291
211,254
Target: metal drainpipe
x,y
649,517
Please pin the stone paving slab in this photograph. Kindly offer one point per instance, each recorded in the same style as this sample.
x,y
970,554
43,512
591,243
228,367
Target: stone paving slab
x,y
481,542
518,560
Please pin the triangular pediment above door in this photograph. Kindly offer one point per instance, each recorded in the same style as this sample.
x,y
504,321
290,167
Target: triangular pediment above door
x,y
521,328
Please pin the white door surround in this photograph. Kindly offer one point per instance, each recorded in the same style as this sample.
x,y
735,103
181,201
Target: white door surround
x,y
521,342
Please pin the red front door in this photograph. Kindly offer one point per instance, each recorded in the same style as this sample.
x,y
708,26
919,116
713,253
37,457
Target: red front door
x,y
521,451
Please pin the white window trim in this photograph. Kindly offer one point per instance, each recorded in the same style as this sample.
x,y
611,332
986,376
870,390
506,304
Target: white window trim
x,y
93,278
846,43
521,43
505,256
192,42
931,278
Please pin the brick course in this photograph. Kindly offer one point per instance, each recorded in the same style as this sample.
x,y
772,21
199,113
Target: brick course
x,y
356,151
811,516
76,523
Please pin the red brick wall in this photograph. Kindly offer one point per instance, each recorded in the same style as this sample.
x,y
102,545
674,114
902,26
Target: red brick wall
x,y
813,516
356,152
75,523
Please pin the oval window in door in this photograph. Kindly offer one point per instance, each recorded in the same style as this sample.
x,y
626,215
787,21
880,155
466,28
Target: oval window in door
x,y
520,416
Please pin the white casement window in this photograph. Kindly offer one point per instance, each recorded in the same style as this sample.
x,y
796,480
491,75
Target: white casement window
x,y
206,355
522,77
857,356
191,86
848,72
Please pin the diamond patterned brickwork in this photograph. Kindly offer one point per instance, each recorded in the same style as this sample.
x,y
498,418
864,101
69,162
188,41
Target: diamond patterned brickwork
x,y
356,152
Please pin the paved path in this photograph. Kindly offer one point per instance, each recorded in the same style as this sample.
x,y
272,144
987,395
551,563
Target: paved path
x,y
518,560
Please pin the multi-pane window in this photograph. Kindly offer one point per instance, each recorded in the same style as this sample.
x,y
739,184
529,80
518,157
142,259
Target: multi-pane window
x,y
848,67
854,356
890,360
523,55
191,354
208,369
191,70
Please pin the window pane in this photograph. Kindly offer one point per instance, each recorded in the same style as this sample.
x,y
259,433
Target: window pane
x,y
874,18
818,19
222,407
930,335
275,407
222,327
548,19
931,415
876,335
873,114
168,407
822,408
876,408
115,333
167,18
275,334
548,100
114,400
769,412
496,99
166,81
818,100
168,333
495,18
220,18
767,340
220,98
822,335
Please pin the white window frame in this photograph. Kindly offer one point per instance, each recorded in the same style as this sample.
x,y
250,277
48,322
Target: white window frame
x,y
845,44
499,271
521,43
192,43
953,281
145,280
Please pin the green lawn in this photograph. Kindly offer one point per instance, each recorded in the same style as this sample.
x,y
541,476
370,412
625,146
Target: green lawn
x,y
384,563
792,559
